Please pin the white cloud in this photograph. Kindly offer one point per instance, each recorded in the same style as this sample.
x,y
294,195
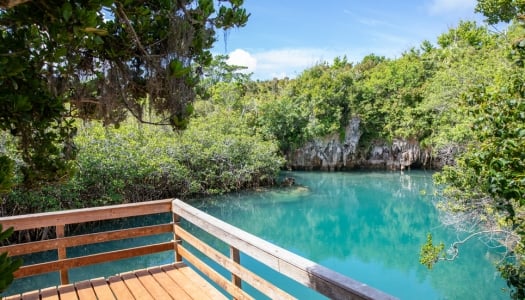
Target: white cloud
x,y
291,57
290,62
447,6
240,57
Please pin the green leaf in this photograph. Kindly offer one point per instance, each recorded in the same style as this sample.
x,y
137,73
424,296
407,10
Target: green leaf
x,y
177,69
67,11
60,52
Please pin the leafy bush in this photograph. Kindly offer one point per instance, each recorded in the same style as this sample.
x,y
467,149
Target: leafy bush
x,y
216,154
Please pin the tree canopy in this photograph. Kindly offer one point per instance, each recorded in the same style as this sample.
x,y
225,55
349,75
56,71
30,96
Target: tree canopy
x,y
99,59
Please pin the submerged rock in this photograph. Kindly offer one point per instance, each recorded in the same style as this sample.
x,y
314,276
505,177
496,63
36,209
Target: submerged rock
x,y
288,181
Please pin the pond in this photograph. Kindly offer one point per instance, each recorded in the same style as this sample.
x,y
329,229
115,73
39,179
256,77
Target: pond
x,y
366,225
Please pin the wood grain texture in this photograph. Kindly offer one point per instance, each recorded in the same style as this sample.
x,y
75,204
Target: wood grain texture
x,y
83,215
85,239
101,289
173,281
69,263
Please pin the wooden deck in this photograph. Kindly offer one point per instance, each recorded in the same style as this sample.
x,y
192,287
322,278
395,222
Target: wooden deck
x,y
176,281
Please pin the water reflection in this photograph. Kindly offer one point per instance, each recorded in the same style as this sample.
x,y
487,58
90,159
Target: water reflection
x,y
369,226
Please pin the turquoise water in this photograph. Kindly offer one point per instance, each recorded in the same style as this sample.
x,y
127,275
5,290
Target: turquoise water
x,y
366,225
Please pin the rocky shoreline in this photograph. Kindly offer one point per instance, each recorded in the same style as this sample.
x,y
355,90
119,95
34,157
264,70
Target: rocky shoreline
x,y
331,154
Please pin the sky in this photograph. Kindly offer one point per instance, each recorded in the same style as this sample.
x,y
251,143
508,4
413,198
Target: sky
x,y
285,37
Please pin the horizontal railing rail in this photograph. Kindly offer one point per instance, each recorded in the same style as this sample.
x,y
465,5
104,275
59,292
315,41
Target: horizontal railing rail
x,y
304,271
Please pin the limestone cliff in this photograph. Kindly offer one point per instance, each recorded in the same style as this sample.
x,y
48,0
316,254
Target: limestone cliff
x,y
330,153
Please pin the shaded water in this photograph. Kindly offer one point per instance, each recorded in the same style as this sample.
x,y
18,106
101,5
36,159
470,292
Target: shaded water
x,y
366,225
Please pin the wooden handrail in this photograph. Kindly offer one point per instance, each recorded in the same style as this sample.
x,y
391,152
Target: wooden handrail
x,y
325,281
76,216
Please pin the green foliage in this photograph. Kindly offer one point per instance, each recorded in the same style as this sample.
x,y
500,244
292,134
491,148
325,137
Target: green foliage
x,y
430,253
466,34
315,104
7,265
7,167
459,70
490,174
99,59
284,121
515,279
417,96
323,92
500,10
218,153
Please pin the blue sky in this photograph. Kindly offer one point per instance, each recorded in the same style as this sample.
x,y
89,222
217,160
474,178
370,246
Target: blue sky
x,y
284,37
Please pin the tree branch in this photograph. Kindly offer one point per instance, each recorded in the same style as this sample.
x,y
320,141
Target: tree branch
x,y
122,15
454,250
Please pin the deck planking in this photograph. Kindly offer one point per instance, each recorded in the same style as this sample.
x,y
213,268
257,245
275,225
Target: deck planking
x,y
174,281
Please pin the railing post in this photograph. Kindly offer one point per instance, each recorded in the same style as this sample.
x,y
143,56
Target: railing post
x,y
235,257
64,276
176,239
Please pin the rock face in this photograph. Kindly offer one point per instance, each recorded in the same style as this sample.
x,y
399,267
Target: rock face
x,y
330,153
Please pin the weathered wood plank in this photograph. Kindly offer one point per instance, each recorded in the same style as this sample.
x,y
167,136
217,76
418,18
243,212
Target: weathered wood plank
x,y
152,286
32,295
86,239
201,283
85,290
186,281
67,292
101,288
254,280
119,288
62,254
172,287
75,216
135,287
235,256
229,287
50,293
323,280
91,259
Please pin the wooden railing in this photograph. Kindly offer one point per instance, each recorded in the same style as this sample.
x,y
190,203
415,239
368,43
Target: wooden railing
x,y
306,272
62,218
